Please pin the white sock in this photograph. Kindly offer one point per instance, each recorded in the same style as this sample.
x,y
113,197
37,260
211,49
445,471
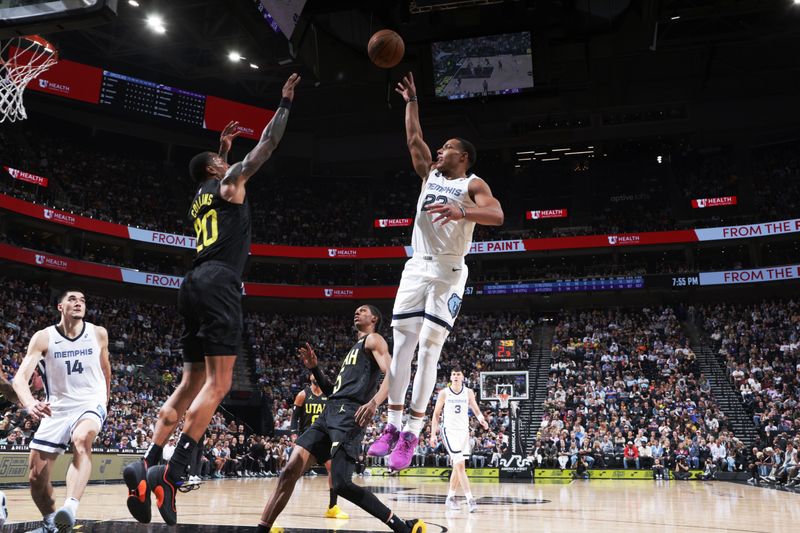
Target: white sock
x,y
468,495
72,505
48,518
451,494
414,425
395,418
430,348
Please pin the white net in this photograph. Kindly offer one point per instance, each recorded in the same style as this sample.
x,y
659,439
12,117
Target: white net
x,y
21,60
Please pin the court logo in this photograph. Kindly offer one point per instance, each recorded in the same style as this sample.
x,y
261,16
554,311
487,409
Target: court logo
x,y
39,259
454,305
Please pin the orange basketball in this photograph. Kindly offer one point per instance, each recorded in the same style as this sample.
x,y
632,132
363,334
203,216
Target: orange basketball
x,y
386,48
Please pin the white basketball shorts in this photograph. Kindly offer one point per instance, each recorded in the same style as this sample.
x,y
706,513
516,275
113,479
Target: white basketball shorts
x,y
430,293
55,432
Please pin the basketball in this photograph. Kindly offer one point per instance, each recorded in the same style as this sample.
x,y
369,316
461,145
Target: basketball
x,y
386,48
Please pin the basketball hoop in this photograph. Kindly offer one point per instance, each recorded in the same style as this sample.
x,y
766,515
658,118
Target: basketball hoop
x,y
21,60
503,399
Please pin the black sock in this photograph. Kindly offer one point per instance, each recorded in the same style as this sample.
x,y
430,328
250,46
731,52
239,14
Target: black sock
x,y
333,498
262,529
181,458
153,455
397,524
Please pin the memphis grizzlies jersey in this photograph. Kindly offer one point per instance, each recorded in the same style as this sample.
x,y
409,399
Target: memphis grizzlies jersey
x,y
453,238
456,409
71,370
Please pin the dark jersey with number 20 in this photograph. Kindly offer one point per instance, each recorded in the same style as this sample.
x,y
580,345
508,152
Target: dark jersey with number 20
x,y
222,228
358,377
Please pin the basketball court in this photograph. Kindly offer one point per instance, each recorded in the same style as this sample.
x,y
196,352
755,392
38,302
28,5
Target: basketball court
x,y
598,506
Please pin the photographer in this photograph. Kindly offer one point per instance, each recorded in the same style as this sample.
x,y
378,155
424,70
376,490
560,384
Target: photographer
x,y
682,469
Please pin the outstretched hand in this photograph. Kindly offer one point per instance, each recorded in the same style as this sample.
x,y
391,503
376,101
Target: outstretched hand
x,y
227,136
308,356
406,87
288,87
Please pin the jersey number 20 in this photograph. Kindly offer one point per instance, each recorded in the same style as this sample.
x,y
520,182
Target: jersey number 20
x,y
206,229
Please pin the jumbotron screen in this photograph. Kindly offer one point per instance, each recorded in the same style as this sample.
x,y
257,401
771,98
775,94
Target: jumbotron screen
x,y
495,64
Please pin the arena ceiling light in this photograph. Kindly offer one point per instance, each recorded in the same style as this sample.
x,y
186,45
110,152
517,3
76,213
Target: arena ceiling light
x,y
133,3
156,23
235,56
561,149
253,66
528,152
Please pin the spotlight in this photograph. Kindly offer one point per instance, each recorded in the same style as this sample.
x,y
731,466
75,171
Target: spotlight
x,y
156,23
133,3
659,159
253,66
234,56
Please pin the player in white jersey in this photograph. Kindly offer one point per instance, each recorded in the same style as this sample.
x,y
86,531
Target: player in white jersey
x,y
428,300
454,403
72,358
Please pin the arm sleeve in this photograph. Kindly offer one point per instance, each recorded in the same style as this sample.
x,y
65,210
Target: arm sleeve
x,y
322,380
297,414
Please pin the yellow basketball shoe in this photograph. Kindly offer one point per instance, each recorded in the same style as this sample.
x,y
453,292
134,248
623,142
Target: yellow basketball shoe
x,y
335,512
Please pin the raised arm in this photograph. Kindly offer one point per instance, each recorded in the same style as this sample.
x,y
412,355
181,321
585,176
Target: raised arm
x,y
473,404
420,153
437,412
226,138
376,344
36,351
105,361
239,173
309,359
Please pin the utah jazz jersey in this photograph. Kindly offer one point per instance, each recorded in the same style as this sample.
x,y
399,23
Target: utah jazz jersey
x,y
312,408
453,238
358,377
71,370
222,228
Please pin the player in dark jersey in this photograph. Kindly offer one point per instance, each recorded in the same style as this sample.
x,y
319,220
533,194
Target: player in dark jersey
x,y
209,301
308,406
336,435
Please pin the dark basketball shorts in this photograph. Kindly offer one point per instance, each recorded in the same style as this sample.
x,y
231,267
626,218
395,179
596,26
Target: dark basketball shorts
x,y
210,302
334,430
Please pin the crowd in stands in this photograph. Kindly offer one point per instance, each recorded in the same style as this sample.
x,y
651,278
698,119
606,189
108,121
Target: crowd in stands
x,y
119,181
625,390
759,346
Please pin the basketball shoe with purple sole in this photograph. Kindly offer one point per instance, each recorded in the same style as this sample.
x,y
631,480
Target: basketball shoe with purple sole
x,y
385,443
404,451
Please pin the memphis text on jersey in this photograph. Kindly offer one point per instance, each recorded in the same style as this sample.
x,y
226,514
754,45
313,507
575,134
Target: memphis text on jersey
x,y
73,353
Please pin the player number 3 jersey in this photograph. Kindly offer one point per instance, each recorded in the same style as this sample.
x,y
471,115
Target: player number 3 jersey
x,y
453,238
71,370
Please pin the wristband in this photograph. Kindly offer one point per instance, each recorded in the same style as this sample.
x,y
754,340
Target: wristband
x,y
463,212
411,99
286,102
